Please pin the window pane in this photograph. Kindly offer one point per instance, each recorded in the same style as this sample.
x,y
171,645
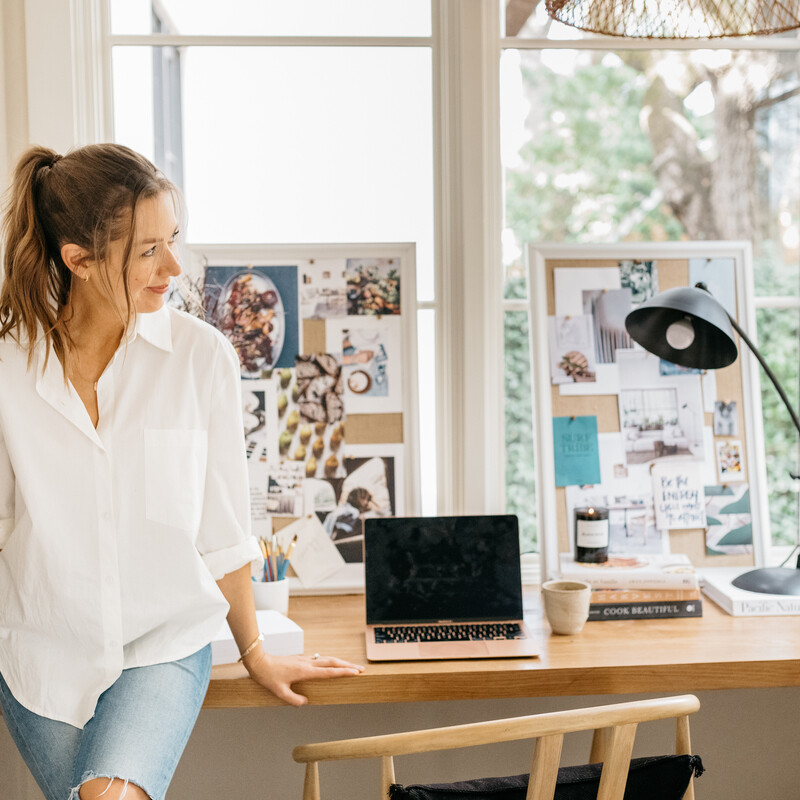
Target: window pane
x,y
298,144
134,123
603,146
779,342
276,17
520,466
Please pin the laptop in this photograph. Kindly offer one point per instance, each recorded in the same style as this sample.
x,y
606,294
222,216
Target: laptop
x,y
444,587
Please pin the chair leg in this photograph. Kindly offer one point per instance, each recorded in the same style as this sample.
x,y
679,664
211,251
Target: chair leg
x,y
683,746
544,770
598,751
387,775
311,782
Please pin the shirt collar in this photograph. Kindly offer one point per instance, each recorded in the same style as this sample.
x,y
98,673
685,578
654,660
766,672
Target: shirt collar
x,y
155,328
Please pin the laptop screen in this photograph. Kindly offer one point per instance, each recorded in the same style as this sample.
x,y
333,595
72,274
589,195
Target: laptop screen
x,y
425,569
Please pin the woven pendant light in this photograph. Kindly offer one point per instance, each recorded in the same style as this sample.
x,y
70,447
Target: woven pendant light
x,y
677,19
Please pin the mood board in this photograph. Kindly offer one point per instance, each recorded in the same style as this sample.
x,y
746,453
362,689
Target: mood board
x,y
674,454
326,340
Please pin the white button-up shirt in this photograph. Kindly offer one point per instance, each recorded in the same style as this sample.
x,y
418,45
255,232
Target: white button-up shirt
x,y
112,539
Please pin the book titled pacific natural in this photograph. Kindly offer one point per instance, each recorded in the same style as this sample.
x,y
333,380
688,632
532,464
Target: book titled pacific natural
x,y
645,571
609,604
741,603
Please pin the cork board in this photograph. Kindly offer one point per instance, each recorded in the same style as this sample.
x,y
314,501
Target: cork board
x,y
562,289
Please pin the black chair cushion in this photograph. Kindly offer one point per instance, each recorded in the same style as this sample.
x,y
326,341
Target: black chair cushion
x,y
654,778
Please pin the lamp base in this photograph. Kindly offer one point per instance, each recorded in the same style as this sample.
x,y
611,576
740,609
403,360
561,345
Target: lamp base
x,y
770,580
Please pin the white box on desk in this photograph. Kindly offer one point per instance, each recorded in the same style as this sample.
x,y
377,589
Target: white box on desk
x,y
282,637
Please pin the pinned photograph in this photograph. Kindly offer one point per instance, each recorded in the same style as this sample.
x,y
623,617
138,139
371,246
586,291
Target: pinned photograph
x,y
256,308
370,349
729,460
369,490
373,286
311,424
323,289
285,489
608,309
661,416
726,418
572,357
729,523
259,416
668,368
641,277
260,419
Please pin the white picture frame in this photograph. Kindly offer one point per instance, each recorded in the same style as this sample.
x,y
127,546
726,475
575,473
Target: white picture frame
x,y
539,254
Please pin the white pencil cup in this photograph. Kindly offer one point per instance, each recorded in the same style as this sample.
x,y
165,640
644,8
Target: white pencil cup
x,y
272,595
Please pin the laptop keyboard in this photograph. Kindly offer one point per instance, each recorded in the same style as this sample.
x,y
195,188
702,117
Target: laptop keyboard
x,y
463,632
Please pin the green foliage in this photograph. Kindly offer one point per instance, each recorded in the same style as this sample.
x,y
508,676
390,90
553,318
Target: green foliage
x,y
587,173
520,473
778,331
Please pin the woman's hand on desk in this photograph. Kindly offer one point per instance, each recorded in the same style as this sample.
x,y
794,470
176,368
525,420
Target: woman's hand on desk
x,y
278,673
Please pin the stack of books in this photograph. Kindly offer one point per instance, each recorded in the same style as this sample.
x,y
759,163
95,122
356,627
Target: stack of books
x,y
638,586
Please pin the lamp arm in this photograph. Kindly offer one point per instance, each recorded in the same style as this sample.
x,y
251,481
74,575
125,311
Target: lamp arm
x,y
746,339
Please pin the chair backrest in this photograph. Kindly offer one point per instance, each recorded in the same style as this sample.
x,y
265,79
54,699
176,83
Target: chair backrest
x,y
614,729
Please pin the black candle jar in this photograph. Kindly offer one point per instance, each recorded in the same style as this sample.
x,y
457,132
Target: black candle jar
x,y
591,534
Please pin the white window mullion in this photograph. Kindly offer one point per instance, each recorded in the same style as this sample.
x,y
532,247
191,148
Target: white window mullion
x,y
469,285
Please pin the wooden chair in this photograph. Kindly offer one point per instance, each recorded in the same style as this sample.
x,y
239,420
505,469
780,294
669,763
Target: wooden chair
x,y
614,729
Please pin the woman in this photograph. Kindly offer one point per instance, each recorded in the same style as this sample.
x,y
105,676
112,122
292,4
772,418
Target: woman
x,y
124,519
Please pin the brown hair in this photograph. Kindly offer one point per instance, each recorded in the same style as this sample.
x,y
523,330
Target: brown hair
x,y
89,198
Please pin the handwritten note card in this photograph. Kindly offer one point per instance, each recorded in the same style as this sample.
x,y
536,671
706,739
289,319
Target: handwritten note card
x,y
315,556
576,451
679,495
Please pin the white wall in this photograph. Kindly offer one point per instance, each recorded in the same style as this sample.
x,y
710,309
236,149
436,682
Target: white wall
x,y
13,86
746,738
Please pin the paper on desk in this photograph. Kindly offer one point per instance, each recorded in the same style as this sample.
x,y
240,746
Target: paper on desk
x,y
679,494
315,557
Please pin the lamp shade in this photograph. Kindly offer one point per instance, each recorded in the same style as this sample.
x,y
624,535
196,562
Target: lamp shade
x,y
677,19
685,326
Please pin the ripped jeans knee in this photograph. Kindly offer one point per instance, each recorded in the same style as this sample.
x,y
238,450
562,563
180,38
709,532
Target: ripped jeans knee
x,y
75,794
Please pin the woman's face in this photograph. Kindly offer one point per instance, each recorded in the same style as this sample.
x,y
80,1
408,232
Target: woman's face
x,y
154,260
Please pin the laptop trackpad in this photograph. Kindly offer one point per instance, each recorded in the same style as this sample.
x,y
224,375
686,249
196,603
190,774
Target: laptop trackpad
x,y
453,650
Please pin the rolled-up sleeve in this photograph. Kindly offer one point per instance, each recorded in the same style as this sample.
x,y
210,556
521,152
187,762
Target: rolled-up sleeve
x,y
7,484
224,539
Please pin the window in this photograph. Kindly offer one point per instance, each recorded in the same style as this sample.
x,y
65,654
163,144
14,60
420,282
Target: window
x,y
653,144
279,141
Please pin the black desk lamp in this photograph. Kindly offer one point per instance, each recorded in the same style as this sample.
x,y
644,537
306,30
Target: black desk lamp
x,y
690,328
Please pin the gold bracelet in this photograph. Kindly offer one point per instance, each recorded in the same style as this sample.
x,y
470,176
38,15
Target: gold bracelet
x,y
252,646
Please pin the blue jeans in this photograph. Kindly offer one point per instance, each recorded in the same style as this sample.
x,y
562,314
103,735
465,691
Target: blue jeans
x,y
138,732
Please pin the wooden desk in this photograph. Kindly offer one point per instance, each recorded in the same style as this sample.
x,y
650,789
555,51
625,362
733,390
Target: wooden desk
x,y
716,651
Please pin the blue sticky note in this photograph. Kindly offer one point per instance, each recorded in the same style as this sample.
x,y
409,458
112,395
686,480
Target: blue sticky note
x,y
577,453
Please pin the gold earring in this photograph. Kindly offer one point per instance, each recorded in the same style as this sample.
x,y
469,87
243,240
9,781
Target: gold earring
x,y
86,276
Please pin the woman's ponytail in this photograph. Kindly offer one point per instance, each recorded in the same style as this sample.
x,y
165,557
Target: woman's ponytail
x,y
36,283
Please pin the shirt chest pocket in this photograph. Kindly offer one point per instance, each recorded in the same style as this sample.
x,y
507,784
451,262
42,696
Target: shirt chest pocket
x,y
175,472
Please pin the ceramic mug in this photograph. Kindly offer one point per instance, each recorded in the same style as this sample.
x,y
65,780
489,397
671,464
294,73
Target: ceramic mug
x,y
566,604
272,595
